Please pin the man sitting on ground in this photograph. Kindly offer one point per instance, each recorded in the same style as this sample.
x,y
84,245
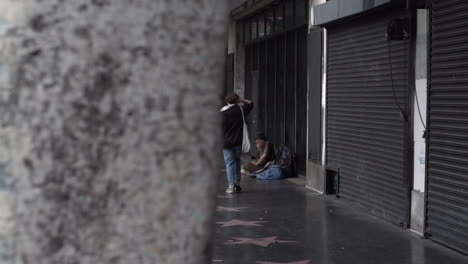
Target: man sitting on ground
x,y
266,151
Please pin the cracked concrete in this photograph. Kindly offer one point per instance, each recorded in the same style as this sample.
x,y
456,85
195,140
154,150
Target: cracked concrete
x,y
109,129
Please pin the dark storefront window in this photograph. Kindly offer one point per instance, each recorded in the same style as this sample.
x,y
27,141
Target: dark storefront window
x,y
255,57
247,34
270,109
240,33
254,27
261,25
289,13
269,22
301,12
229,80
276,75
276,78
279,17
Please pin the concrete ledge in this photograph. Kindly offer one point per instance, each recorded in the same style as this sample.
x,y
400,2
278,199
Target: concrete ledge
x,y
298,181
418,202
249,7
314,190
315,178
335,10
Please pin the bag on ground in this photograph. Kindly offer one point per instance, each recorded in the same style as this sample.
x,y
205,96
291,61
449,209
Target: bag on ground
x,y
272,173
284,157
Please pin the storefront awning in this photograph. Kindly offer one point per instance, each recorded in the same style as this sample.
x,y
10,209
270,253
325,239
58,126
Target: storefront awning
x,y
249,7
335,10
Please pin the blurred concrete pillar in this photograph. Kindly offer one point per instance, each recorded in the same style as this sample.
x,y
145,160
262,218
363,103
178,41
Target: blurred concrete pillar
x,y
109,136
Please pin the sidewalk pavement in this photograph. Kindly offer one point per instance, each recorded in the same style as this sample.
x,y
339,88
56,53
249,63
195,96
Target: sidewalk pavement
x,y
272,222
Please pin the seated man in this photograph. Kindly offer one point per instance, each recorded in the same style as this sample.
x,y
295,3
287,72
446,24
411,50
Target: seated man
x,y
266,152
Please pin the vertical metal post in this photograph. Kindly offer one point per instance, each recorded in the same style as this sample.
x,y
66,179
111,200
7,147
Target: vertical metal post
x,y
324,97
296,50
275,80
410,62
428,119
284,86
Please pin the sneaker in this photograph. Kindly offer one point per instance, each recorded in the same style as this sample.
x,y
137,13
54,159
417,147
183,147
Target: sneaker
x,y
237,188
230,190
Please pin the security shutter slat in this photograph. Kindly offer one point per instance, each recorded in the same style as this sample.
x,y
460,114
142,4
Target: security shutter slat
x,y
350,163
366,33
373,48
448,150
366,135
392,205
447,201
454,222
367,63
386,210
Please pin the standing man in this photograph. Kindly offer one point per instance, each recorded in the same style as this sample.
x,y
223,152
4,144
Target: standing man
x,y
233,126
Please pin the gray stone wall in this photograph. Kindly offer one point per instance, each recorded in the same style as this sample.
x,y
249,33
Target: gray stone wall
x,y
109,135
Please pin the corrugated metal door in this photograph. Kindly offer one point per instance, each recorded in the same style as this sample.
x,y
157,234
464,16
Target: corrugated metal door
x,y
366,132
447,200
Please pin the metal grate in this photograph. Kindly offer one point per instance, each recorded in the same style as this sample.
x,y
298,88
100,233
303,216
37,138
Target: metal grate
x,y
276,78
366,134
290,91
447,200
280,91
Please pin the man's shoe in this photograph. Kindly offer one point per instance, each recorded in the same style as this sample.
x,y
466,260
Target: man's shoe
x,y
237,188
230,190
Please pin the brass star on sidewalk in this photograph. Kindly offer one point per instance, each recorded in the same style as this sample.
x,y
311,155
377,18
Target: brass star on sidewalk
x,y
236,222
297,262
229,209
263,242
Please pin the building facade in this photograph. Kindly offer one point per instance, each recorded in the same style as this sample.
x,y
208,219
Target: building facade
x,y
370,96
274,44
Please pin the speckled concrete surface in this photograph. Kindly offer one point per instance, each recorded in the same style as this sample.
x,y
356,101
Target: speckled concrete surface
x,y
109,129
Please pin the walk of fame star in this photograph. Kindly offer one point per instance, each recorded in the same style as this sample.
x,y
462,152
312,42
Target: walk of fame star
x,y
297,262
263,242
229,209
236,222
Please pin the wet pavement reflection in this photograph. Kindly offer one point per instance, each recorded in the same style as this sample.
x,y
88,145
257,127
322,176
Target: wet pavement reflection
x,y
282,222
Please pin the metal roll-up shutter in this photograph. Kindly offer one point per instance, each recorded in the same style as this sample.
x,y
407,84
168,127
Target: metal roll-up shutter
x,y
447,197
366,132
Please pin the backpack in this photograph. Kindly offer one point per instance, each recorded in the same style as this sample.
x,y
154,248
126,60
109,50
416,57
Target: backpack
x,y
284,157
